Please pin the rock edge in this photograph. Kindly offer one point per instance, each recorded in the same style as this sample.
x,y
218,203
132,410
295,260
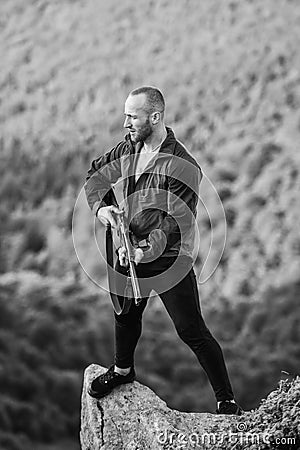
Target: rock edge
x,y
133,417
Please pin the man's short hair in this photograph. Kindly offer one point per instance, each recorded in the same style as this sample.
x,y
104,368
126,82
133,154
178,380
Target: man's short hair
x,y
154,99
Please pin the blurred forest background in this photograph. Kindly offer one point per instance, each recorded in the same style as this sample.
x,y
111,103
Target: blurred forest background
x,y
230,72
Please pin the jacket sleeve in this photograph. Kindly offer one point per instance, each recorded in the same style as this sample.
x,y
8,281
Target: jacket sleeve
x,y
104,172
183,189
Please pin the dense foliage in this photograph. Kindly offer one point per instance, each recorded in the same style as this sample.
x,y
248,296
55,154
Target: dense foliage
x,y
275,424
230,74
49,333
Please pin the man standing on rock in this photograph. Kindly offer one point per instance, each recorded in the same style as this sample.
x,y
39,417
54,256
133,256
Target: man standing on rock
x,y
160,185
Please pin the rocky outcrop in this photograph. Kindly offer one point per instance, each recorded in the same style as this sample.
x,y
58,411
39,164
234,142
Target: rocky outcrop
x,y
132,417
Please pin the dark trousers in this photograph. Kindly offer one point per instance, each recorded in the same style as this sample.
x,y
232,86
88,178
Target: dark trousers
x,y
181,301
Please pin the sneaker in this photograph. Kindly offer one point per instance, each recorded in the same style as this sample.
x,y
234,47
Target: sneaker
x,y
227,407
106,382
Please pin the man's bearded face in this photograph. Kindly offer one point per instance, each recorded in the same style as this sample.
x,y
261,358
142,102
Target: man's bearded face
x,y
137,118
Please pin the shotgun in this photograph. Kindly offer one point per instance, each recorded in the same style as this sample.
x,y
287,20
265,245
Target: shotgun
x,y
132,288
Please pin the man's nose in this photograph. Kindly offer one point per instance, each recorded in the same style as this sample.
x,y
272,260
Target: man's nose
x,y
127,122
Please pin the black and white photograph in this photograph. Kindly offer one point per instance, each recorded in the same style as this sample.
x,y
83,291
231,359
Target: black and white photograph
x,y
150,225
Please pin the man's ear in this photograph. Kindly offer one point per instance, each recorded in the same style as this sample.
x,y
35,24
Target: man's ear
x,y
155,117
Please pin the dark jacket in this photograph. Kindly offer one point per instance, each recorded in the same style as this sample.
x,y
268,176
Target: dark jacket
x,y
161,205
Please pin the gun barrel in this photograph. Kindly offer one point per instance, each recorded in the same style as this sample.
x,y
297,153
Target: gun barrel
x,y
133,276
134,281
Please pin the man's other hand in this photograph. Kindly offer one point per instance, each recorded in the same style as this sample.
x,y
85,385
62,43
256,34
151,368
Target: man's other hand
x,y
123,260
109,214
138,255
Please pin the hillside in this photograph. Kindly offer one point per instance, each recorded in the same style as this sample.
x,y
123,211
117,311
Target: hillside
x,y
233,99
230,72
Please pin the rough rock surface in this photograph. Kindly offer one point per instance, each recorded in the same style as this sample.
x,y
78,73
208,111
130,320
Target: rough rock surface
x,y
133,417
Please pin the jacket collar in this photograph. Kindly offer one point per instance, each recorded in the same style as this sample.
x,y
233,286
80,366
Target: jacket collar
x,y
168,145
